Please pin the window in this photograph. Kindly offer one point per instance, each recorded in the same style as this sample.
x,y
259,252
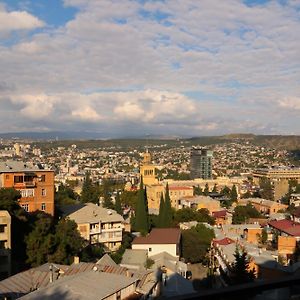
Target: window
x,y
25,207
6,176
43,178
2,228
2,245
27,193
150,249
43,192
43,206
18,179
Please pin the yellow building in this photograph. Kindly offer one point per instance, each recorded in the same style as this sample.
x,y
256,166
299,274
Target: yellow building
x,y
279,178
148,170
5,244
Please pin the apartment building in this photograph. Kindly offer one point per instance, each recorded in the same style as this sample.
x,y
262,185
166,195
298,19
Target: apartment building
x,y
97,224
35,184
5,244
279,178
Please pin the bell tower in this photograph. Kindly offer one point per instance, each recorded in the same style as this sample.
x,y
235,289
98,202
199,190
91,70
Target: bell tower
x,y
147,169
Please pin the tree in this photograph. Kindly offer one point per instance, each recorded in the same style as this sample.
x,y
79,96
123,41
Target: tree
x,y
65,195
118,207
263,237
161,211
240,272
90,191
197,190
242,213
196,242
9,198
40,241
92,253
67,242
48,242
233,194
266,189
168,213
214,190
226,191
206,190
141,220
203,215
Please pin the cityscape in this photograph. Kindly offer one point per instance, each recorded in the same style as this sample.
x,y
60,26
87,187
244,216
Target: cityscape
x,y
149,149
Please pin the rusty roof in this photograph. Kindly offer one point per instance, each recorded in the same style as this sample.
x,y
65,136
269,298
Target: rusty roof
x,y
160,236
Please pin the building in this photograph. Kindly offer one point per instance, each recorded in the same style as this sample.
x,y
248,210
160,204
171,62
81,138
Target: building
x,y
201,163
279,178
35,184
267,207
5,244
176,192
148,170
160,240
97,224
199,202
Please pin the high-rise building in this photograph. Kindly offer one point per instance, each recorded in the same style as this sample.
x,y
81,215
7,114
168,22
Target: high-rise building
x,y
201,163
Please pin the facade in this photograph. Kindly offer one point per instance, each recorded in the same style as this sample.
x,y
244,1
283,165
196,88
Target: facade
x,y
5,244
35,184
160,240
201,163
148,170
97,224
279,178
199,202
264,206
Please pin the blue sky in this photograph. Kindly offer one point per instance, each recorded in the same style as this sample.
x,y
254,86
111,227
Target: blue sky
x,y
161,67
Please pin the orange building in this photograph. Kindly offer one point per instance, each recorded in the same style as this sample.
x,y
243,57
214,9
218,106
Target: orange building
x,y
35,184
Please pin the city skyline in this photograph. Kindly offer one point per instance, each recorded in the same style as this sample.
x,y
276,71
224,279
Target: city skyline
x,y
126,68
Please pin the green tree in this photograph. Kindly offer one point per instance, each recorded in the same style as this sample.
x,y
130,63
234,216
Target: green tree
x,y
67,242
240,272
65,195
9,198
215,189
161,215
233,194
266,189
141,217
203,215
206,190
197,190
242,213
168,212
40,241
92,253
226,191
90,191
118,207
196,242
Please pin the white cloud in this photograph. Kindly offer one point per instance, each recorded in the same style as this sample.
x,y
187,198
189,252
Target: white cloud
x,y
290,103
234,60
18,20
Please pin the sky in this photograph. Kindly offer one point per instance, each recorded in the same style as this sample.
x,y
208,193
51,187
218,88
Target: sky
x,y
159,67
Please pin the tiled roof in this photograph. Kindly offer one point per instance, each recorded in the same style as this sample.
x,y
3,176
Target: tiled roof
x,y
219,214
283,224
160,236
175,188
224,242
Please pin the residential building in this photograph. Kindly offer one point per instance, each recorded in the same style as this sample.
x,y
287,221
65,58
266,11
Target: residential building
x,y
201,163
279,178
97,224
160,240
177,191
5,244
267,207
35,184
200,202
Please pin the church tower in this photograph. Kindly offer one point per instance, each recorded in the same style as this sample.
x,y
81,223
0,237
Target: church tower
x,y
147,170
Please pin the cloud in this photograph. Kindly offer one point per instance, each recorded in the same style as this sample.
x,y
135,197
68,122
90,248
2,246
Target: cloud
x,y
183,66
18,20
292,103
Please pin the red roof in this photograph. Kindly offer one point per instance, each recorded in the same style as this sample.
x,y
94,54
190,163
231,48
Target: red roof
x,y
160,236
224,242
282,225
293,231
219,214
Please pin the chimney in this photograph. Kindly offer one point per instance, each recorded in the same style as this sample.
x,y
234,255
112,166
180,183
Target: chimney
x,y
76,260
51,273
